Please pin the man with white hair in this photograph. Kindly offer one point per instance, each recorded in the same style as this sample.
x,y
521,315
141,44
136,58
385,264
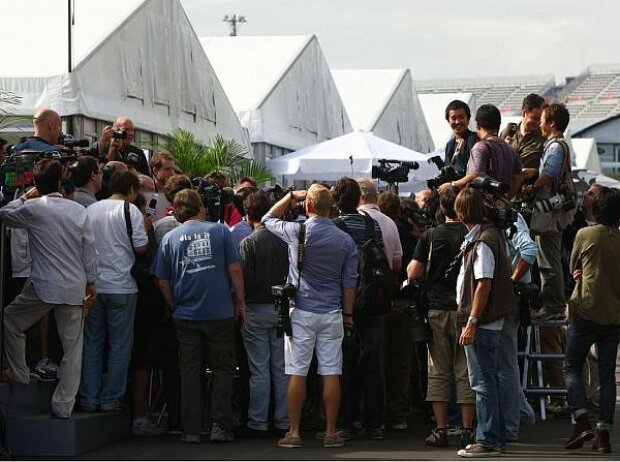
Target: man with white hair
x,y
115,144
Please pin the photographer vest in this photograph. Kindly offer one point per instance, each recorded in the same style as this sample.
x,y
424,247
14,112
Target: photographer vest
x,y
556,220
502,301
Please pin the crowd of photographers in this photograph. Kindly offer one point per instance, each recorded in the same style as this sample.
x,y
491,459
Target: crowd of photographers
x,y
268,310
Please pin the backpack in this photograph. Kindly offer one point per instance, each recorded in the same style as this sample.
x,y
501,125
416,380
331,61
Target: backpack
x,y
375,284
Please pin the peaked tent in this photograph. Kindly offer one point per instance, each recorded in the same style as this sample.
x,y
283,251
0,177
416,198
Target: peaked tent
x,y
352,155
434,108
282,90
136,58
382,102
586,153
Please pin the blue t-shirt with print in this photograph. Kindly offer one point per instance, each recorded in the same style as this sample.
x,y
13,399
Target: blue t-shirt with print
x,y
194,257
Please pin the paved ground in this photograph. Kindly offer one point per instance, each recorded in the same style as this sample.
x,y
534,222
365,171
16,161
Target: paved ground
x,y
542,441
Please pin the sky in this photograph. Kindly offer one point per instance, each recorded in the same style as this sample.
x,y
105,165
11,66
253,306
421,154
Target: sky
x,y
436,39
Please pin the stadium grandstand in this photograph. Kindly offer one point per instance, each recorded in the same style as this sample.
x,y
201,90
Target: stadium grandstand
x,y
592,96
506,93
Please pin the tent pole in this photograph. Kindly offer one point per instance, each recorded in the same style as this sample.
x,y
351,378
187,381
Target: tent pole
x,y
69,34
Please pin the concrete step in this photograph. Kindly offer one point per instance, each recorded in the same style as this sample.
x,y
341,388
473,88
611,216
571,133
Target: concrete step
x,y
23,400
41,436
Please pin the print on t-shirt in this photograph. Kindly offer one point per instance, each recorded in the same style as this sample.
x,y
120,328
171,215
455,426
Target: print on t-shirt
x,y
197,252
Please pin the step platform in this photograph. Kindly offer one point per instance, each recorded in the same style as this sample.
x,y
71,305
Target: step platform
x,y
41,436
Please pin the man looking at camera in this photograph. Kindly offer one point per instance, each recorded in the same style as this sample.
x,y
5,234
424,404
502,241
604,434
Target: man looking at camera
x,y
324,301
115,144
459,146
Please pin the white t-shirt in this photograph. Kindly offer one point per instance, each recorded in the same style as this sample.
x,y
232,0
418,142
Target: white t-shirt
x,y
116,255
389,231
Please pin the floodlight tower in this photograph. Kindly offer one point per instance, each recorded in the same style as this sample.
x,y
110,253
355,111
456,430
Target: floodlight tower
x,y
233,21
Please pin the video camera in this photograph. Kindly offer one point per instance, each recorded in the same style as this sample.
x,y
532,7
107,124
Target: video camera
x,y
213,197
501,211
282,295
393,171
447,173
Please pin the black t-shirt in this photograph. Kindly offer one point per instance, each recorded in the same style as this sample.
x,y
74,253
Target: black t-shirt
x,y
447,239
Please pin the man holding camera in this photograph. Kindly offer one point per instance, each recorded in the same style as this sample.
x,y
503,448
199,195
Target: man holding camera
x,y
264,261
64,267
459,147
324,300
433,255
485,297
47,126
197,269
115,144
554,207
525,137
491,156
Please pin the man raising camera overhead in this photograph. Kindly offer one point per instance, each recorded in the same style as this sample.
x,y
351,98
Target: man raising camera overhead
x,y
115,144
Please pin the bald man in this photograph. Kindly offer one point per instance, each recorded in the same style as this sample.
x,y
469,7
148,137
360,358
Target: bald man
x,y
110,148
47,125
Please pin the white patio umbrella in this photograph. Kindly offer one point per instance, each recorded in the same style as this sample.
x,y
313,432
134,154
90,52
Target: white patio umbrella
x,y
353,155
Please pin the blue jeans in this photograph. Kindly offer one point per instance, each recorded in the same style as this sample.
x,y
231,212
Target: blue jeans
x,y
111,314
483,366
512,400
265,353
582,334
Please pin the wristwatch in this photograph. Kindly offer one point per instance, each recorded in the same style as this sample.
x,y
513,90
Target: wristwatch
x,y
472,320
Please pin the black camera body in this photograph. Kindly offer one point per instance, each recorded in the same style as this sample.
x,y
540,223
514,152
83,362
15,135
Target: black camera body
x,y
119,134
393,171
416,308
501,211
447,173
282,295
211,196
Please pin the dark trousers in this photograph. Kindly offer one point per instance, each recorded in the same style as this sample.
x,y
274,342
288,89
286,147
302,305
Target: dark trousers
x,y
582,334
364,371
219,335
398,353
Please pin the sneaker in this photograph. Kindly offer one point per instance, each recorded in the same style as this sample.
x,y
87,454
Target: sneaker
x,y
400,426
40,373
189,438
333,441
468,436
343,433
601,444
582,432
114,407
48,365
478,450
454,431
147,429
290,441
220,435
438,438
559,409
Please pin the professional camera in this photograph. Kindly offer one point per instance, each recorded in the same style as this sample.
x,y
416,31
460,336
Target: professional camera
x,y
501,211
530,299
511,129
282,295
563,200
275,193
71,143
393,171
211,197
414,294
447,173
119,134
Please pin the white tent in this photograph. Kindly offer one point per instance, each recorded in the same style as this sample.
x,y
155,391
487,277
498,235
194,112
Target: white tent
x,y
382,102
586,154
282,90
136,58
353,155
434,108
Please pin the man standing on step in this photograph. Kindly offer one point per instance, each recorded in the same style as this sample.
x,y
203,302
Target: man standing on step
x,y
64,267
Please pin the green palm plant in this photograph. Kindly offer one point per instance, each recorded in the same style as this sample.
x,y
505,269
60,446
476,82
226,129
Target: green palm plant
x,y
227,157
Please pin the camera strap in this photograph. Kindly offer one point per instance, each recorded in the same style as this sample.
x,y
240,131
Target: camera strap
x,y
127,215
301,251
430,254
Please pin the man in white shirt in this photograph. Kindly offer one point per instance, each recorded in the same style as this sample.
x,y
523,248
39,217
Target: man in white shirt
x,y
64,267
119,232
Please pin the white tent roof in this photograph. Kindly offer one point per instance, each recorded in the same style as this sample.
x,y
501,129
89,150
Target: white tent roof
x,y
586,154
281,88
351,155
139,59
381,101
434,108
